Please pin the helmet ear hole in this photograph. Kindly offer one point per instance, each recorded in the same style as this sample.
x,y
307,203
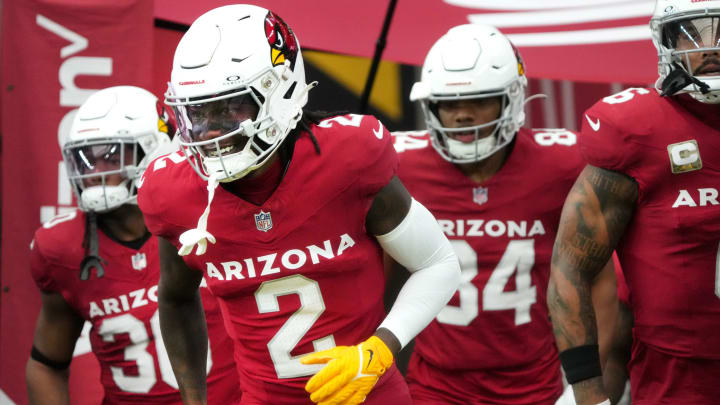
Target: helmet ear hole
x,y
433,106
289,92
257,94
140,154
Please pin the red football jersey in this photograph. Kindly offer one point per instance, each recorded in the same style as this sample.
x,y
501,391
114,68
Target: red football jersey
x,y
298,273
493,343
122,308
669,253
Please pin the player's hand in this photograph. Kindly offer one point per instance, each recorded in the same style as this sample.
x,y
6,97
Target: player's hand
x,y
351,372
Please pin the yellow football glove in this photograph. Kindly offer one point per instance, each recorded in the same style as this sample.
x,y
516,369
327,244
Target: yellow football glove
x,y
351,372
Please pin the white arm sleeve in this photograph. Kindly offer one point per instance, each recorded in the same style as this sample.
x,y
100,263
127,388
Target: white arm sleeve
x,y
420,246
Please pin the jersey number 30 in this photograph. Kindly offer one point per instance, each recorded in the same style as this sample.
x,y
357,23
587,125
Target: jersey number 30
x,y
136,351
518,259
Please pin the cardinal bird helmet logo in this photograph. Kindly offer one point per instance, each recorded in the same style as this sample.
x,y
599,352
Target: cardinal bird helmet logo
x,y
283,45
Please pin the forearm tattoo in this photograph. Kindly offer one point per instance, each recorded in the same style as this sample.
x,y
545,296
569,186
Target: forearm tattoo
x,y
595,215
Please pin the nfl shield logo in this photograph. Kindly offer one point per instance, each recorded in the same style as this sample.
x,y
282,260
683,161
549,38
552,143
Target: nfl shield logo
x,y
139,261
263,221
480,195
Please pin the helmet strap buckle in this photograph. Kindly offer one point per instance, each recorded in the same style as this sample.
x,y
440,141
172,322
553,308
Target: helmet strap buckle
x,y
678,79
285,75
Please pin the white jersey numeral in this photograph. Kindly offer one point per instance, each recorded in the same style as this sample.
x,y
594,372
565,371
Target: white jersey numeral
x,y
518,259
550,137
410,140
136,351
296,326
353,121
468,309
625,95
58,219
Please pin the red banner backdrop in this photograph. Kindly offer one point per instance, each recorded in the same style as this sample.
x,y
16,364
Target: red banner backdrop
x,y
55,53
578,40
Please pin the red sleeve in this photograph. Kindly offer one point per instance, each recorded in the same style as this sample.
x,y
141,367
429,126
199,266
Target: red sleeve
x,y
610,133
600,141
151,208
41,270
374,156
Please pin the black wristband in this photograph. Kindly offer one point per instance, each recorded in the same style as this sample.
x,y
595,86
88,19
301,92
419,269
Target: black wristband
x,y
39,357
581,363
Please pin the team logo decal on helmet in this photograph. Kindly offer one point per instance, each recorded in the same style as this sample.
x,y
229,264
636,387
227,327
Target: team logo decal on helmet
x,y
281,39
520,62
165,121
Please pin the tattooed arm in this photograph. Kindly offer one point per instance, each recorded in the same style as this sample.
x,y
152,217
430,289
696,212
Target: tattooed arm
x,y
615,373
605,302
182,323
594,217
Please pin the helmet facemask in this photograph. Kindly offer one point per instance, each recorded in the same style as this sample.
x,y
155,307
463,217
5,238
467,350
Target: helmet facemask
x,y
103,171
689,54
223,132
445,139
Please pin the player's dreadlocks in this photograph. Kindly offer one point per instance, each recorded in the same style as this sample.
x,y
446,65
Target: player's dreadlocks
x,y
309,119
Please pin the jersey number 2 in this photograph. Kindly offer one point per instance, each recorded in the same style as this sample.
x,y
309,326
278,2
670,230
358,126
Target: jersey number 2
x,y
289,335
518,259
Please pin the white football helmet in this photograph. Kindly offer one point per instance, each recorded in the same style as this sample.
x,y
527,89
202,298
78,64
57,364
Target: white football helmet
x,y
682,29
115,134
472,61
237,88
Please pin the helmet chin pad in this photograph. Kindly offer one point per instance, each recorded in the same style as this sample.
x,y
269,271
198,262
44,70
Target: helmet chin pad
x,y
469,150
231,167
104,198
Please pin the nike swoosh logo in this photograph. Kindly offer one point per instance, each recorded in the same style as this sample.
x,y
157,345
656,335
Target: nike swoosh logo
x,y
371,356
594,125
379,132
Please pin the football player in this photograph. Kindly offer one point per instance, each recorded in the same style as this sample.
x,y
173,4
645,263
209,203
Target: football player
x,y
650,190
100,264
294,214
497,190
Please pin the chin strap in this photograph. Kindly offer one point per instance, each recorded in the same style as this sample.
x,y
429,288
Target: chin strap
x,y
200,236
92,254
535,97
678,79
